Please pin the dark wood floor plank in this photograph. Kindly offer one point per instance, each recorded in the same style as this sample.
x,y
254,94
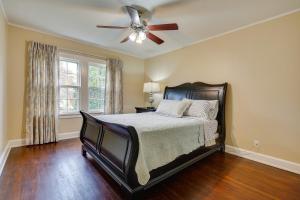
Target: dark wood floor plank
x,y
59,172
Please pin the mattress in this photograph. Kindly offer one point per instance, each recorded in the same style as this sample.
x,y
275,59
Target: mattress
x,y
162,138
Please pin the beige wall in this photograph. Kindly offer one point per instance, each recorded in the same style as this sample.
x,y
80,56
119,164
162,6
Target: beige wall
x,y
3,67
17,37
262,66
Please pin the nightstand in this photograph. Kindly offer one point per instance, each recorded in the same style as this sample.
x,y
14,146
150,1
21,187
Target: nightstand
x,y
144,109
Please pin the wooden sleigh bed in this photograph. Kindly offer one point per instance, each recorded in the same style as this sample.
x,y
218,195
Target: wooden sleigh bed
x,y
115,147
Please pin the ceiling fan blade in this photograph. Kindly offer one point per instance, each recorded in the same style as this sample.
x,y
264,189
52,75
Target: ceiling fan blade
x,y
114,27
134,15
163,27
154,38
125,39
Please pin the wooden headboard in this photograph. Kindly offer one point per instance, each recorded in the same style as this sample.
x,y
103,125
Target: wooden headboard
x,y
202,91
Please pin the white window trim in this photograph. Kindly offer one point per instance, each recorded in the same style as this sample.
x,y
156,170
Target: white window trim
x,y
76,115
83,62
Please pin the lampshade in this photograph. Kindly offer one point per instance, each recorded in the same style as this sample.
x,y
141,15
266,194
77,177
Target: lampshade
x,y
151,87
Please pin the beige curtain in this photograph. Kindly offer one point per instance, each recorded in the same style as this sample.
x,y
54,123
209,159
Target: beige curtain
x,y
41,94
114,87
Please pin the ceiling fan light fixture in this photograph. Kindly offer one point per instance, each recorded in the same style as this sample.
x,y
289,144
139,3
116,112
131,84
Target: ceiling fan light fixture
x,y
137,36
142,35
139,41
133,36
140,30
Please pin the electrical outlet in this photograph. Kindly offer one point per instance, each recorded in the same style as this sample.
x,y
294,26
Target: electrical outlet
x,y
256,143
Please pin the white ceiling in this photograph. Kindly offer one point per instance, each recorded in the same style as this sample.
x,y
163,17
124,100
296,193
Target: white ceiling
x,y
197,19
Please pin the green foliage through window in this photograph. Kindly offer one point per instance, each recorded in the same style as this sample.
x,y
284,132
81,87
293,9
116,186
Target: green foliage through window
x,y
96,85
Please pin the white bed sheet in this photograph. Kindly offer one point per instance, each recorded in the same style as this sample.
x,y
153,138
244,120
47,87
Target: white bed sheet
x,y
162,138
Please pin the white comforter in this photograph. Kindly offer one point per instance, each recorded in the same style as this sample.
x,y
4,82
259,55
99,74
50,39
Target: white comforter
x,y
162,139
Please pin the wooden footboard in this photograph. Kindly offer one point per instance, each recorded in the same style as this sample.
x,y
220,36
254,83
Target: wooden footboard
x,y
114,147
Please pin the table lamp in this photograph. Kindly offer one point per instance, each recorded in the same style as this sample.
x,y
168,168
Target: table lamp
x,y
151,87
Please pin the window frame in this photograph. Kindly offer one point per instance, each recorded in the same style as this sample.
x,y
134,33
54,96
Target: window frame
x,y
68,59
83,65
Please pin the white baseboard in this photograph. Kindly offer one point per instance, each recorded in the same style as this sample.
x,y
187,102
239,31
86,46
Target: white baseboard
x,y
69,135
16,143
265,159
60,136
22,142
4,156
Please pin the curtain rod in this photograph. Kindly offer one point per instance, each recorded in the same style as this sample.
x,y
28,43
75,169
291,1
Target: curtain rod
x,y
82,54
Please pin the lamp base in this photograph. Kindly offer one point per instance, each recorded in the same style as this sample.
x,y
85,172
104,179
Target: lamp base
x,y
151,99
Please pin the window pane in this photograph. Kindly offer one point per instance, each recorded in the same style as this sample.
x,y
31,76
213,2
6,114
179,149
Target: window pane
x,y
96,83
63,93
69,73
72,80
73,105
73,93
94,93
69,96
101,105
63,106
68,100
72,68
63,67
63,79
63,73
94,105
94,76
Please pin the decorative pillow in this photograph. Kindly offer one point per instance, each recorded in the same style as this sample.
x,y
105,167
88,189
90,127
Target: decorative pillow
x,y
203,109
173,108
214,109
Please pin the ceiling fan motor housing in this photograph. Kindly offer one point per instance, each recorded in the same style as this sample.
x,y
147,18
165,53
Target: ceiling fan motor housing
x,y
139,25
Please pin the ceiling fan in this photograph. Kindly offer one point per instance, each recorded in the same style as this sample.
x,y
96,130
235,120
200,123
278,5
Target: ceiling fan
x,y
140,28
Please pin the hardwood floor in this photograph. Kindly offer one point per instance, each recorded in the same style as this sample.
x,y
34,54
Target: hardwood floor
x,y
58,171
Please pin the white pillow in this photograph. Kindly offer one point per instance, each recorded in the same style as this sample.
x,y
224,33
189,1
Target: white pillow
x,y
172,108
203,109
214,109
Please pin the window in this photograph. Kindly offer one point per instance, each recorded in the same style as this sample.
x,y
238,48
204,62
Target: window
x,y
96,85
81,84
69,82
